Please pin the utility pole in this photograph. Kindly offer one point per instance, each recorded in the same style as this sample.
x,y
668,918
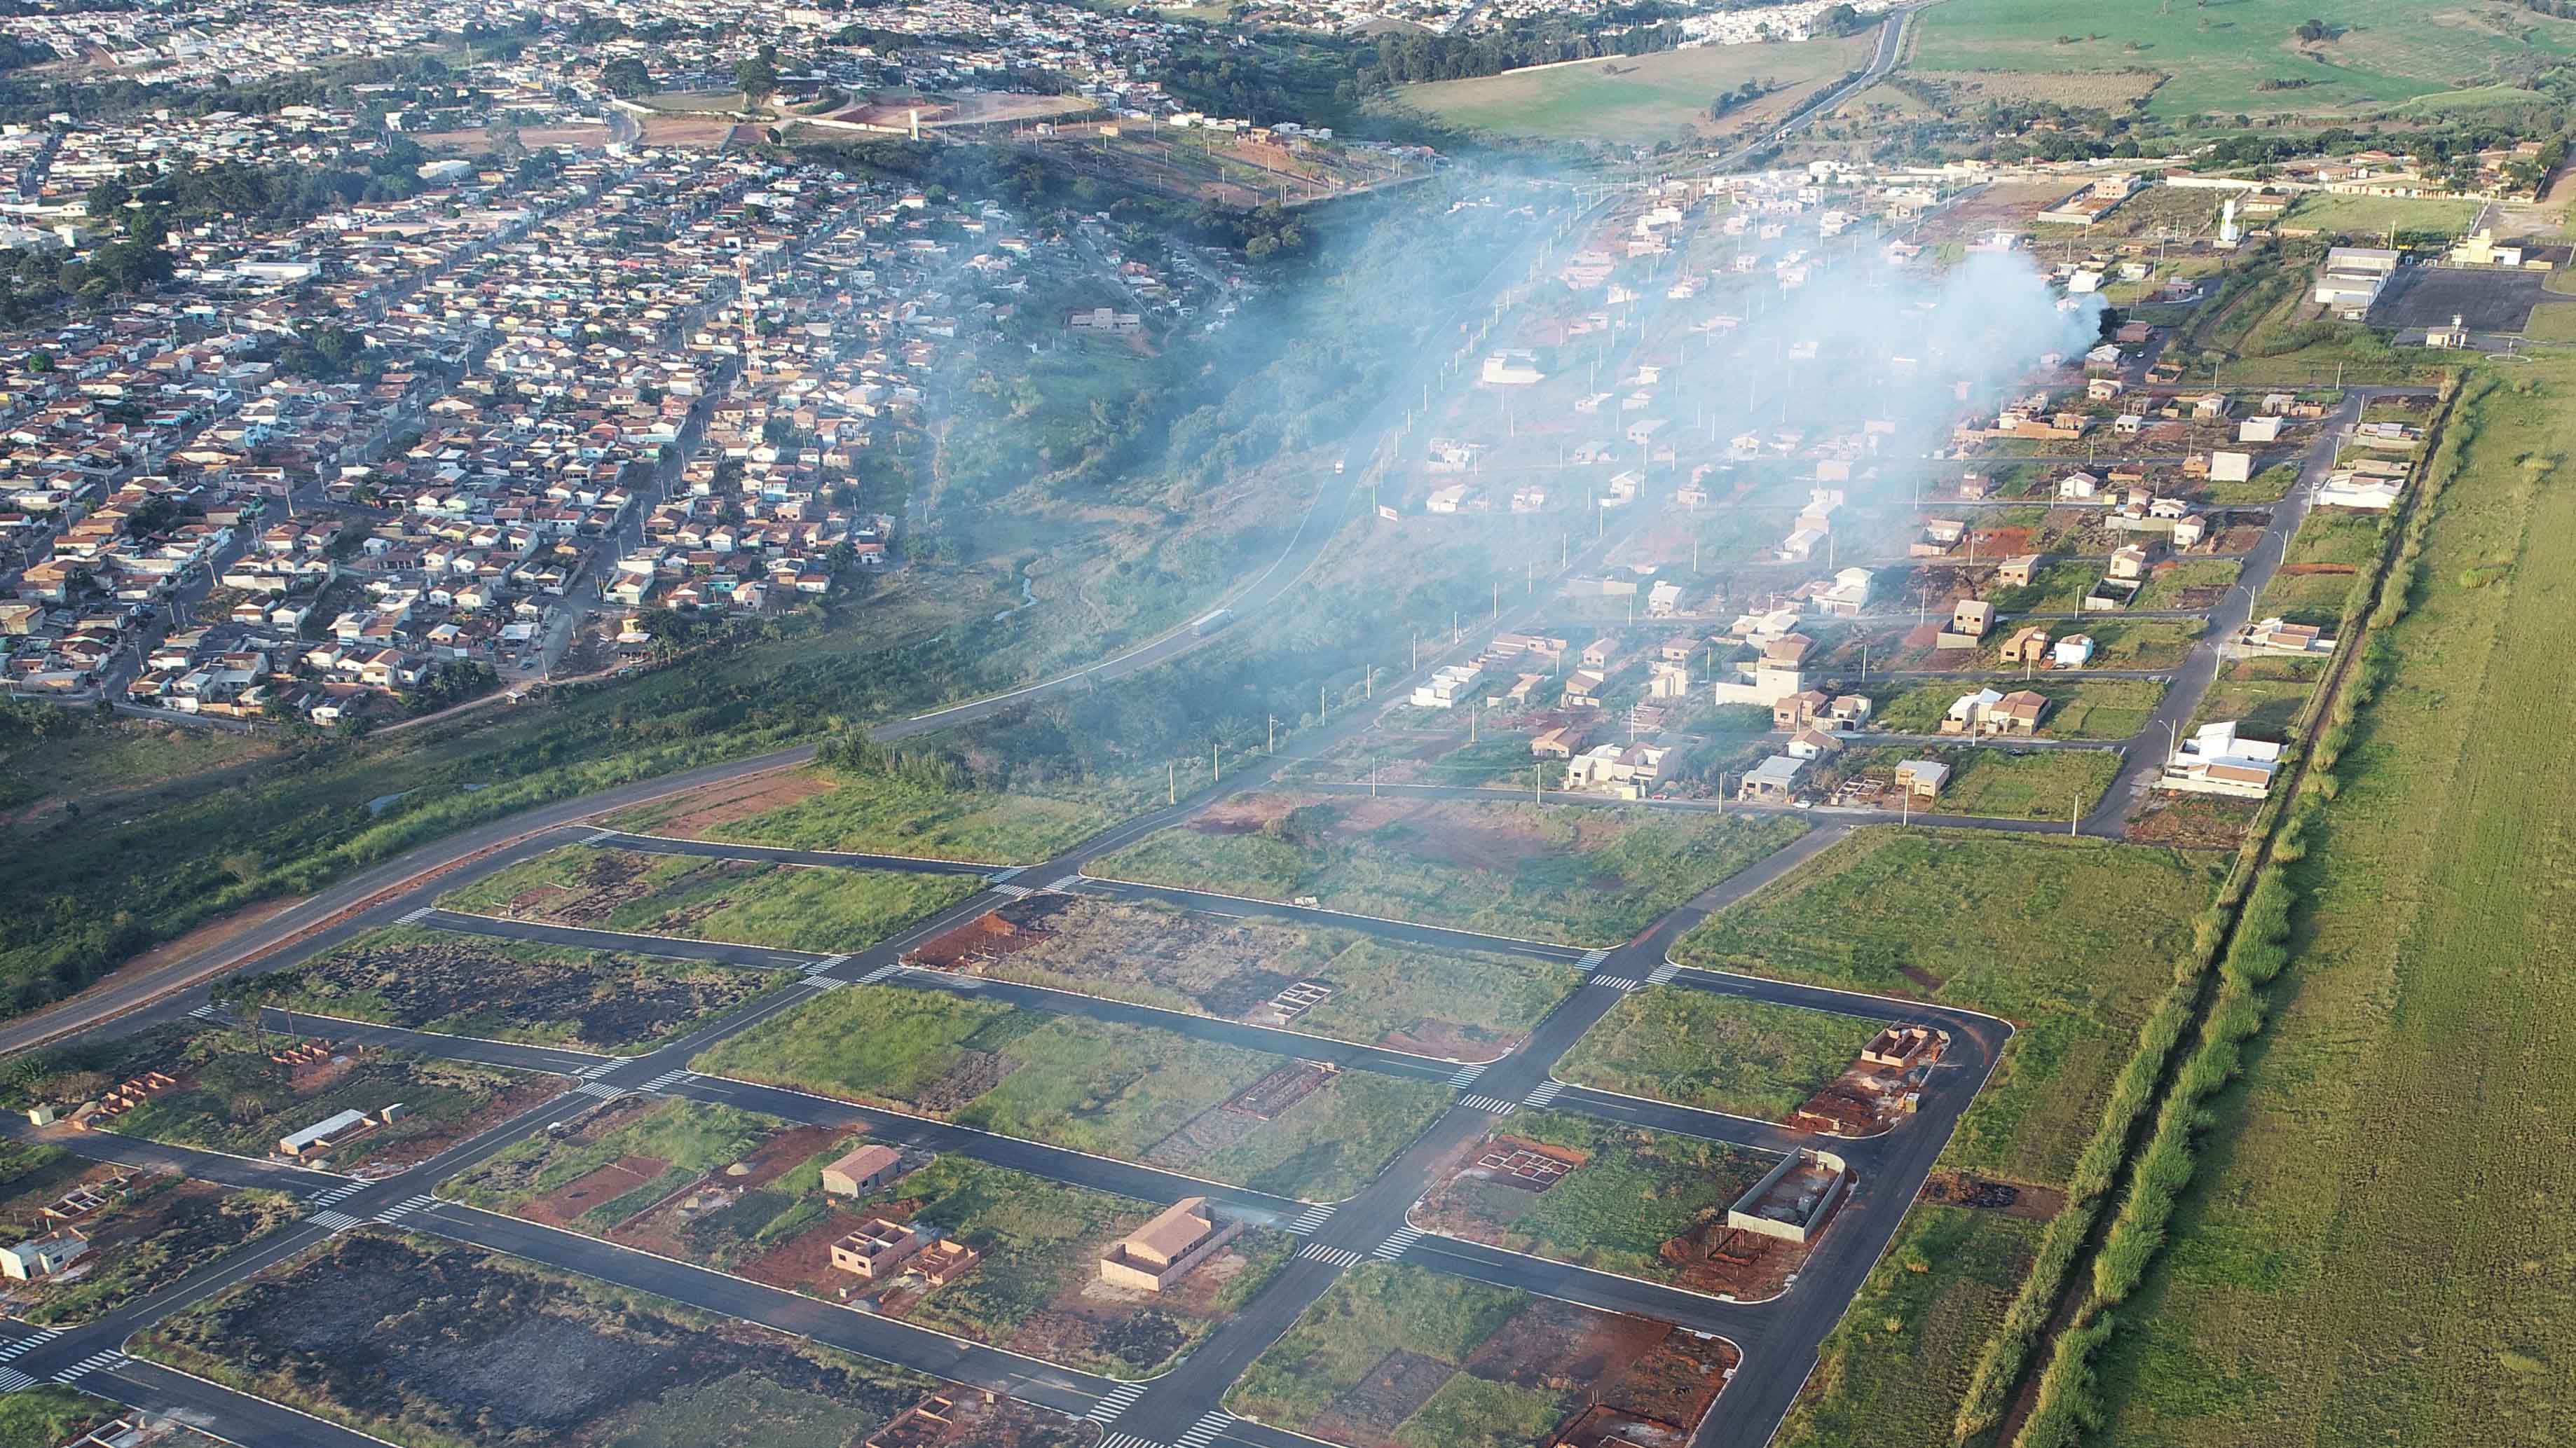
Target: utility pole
x,y
1172,788
1274,735
1216,763
1368,685
1372,776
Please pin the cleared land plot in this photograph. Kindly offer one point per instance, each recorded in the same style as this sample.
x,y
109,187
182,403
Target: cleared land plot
x,y
2314,594
1574,875
2376,216
2070,939
1467,1005
1131,1092
818,808
1897,1367
749,902
2264,707
2139,643
1641,98
513,990
366,1331
146,1229
2416,1034
1618,1198
2244,56
743,1193
1719,1053
2100,709
2188,583
1394,1356
234,1095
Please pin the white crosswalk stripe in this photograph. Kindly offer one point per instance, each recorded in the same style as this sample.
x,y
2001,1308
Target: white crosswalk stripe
x,y
601,1089
1338,1256
95,1362
1493,1104
27,1345
1114,1402
208,1013
405,1208
1591,960
1065,882
1618,982
1465,1076
1545,1094
1663,974
417,916
332,1220
1013,892
1128,1440
669,1079
878,974
1311,1220
1396,1245
1003,876
1205,1430
338,1193
827,963
597,1069
14,1381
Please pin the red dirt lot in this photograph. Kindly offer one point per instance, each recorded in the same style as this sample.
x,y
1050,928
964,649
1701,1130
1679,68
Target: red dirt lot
x,y
722,804
562,1206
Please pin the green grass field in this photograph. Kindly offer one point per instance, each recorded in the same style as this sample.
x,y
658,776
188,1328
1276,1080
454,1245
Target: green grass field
x,y
2219,56
792,907
1382,1307
1571,874
2376,216
1719,1053
870,814
1996,783
1895,1369
2373,1249
1131,1092
2071,939
1630,99
2078,709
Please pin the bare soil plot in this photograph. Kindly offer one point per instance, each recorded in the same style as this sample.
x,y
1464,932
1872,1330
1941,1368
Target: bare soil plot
x,y
1395,1356
1616,1198
1568,874
1343,984
364,1331
509,990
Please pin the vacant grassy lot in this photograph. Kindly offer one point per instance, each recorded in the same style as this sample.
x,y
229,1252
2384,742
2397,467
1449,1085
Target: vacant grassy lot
x,y
1635,1191
2098,709
793,907
369,1331
1571,874
2263,708
2376,216
2070,939
2431,972
2220,57
1719,1053
512,990
2188,583
1997,782
818,808
1632,99
1467,1004
1895,1369
1131,1092
48,1413
2145,643
2307,597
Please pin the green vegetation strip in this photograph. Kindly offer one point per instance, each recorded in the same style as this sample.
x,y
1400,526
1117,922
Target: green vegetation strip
x,y
1719,1053
792,907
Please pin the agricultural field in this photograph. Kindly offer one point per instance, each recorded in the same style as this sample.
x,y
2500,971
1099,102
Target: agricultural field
x,y
1716,1052
2072,940
820,808
1896,1368
748,902
2106,709
1637,99
1131,1092
449,983
1464,1005
743,1193
1990,780
146,1230
1617,1198
1394,1356
2220,59
363,1332
2430,973
1570,875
